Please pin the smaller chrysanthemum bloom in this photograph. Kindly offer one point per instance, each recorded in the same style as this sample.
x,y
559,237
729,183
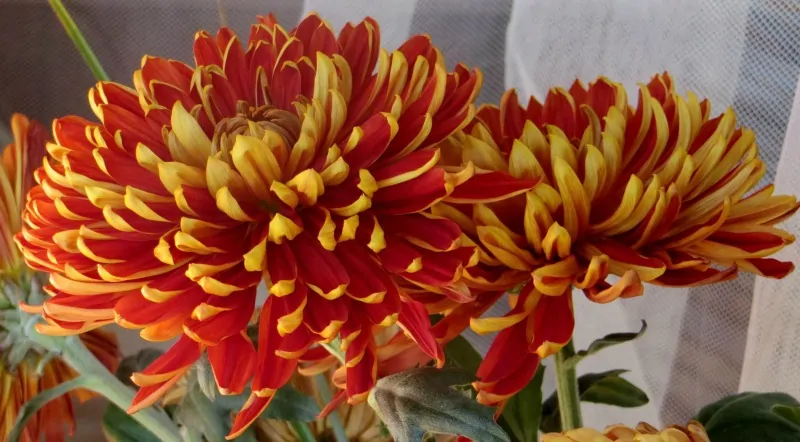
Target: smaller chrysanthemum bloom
x,y
693,432
658,192
25,369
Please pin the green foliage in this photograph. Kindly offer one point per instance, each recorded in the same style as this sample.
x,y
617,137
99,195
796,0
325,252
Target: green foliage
x,y
605,342
752,417
460,353
119,426
521,414
600,388
138,362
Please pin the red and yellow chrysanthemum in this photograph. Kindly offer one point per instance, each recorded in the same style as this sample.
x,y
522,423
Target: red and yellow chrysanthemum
x,y
19,360
657,192
305,160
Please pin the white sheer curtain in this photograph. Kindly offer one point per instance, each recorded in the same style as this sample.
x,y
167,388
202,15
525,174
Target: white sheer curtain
x,y
702,343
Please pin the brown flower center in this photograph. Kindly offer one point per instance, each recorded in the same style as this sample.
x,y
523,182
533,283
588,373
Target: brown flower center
x,y
254,121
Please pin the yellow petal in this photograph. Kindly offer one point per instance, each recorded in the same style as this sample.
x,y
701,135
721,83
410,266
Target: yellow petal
x,y
308,185
557,242
255,258
228,204
483,155
174,174
281,227
630,198
575,203
522,163
191,136
504,248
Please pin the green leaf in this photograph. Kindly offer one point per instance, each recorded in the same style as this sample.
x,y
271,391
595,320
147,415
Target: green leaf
x,y
30,408
422,400
462,355
291,405
205,378
303,432
791,414
601,388
522,412
752,417
705,414
119,426
605,342
196,411
138,362
609,388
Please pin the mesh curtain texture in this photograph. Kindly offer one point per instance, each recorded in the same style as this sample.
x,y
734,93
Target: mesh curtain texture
x,y
702,343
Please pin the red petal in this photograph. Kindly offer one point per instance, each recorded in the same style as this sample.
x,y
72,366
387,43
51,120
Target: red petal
x,y
362,367
233,362
426,231
771,268
320,268
412,196
250,412
692,277
414,320
489,187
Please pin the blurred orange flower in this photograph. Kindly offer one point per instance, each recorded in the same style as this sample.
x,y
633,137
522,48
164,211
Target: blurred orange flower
x,y
24,370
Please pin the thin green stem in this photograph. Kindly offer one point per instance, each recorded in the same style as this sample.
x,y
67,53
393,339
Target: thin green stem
x,y
333,418
569,401
79,358
77,38
303,432
223,14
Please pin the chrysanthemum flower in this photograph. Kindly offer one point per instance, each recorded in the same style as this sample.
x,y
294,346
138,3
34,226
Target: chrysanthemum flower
x,y
304,159
693,432
657,192
25,370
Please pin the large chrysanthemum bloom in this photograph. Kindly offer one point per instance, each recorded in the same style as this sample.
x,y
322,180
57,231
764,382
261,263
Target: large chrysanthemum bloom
x,y
305,159
693,432
657,192
25,369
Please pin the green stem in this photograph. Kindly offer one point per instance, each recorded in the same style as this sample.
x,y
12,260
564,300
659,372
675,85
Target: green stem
x,y
80,42
303,432
333,418
334,348
223,14
79,358
569,401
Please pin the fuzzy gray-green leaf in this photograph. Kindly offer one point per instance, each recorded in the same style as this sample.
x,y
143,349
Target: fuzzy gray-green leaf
x,y
421,400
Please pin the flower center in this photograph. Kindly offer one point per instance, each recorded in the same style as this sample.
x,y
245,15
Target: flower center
x,y
255,122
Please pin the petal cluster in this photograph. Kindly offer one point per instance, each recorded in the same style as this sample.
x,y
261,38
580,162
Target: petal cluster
x,y
693,432
19,159
658,192
304,159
